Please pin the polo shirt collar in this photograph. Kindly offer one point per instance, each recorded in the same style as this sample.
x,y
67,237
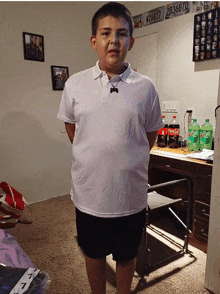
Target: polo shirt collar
x,y
126,76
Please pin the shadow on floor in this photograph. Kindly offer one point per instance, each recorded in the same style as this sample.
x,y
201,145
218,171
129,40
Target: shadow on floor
x,y
158,250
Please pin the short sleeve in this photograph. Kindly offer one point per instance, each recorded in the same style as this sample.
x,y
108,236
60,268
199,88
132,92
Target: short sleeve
x,y
66,110
154,120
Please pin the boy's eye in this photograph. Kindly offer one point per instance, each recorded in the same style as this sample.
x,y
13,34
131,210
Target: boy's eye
x,y
105,33
120,34
123,34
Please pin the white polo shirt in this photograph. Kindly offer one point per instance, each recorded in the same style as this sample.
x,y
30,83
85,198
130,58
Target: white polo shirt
x,y
110,148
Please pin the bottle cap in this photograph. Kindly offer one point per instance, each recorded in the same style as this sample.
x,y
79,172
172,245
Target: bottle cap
x,y
174,116
163,116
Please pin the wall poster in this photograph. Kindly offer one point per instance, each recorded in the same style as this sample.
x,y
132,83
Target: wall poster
x,y
206,41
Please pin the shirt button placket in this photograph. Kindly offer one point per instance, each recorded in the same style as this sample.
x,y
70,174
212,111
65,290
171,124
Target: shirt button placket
x,y
106,89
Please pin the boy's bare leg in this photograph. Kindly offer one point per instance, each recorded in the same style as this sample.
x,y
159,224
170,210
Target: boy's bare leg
x,y
96,271
124,275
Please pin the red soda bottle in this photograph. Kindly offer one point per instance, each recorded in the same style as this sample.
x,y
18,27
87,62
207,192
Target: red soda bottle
x,y
173,132
162,134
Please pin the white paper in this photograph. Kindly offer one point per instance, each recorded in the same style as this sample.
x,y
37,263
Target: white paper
x,y
205,154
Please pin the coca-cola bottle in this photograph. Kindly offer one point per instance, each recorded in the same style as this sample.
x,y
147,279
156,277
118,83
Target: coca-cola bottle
x,y
162,134
173,133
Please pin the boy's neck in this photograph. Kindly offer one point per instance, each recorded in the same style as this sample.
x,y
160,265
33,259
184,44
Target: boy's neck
x,y
113,72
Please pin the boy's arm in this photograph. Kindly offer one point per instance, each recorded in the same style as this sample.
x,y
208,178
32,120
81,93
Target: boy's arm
x,y
151,136
70,129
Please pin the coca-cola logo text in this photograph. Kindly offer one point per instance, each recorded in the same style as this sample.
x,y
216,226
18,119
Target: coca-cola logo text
x,y
173,132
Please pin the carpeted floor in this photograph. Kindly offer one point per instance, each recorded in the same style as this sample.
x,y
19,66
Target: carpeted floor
x,y
50,242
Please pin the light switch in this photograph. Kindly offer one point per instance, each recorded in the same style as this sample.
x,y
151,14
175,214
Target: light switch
x,y
170,106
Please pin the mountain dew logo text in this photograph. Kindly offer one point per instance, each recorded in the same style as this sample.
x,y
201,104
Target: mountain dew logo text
x,y
193,136
205,134
193,133
205,137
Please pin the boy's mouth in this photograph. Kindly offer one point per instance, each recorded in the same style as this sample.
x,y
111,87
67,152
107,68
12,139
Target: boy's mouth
x,y
113,51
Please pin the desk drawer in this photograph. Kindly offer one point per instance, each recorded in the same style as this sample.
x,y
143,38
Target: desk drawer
x,y
201,230
203,188
184,167
171,164
202,211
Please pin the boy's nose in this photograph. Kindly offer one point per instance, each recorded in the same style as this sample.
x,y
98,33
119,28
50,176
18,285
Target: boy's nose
x,y
114,39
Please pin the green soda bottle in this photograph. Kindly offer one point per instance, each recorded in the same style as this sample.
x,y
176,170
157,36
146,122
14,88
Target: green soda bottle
x,y
193,136
206,132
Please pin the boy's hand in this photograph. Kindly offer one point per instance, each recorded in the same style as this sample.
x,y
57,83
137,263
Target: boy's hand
x,y
70,129
151,136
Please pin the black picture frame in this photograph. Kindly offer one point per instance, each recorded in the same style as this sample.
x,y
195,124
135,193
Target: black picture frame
x,y
206,41
59,76
33,47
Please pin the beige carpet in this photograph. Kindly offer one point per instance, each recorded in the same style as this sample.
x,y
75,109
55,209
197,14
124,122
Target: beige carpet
x,y
50,242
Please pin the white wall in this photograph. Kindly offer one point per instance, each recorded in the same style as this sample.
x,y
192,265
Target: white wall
x,y
178,78
35,154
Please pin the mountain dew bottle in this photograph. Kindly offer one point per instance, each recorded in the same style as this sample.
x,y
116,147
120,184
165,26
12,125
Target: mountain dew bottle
x,y
193,136
206,132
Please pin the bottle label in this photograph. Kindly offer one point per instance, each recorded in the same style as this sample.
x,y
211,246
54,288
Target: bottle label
x,y
193,136
173,131
205,137
163,131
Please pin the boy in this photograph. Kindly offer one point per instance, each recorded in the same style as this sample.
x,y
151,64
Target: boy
x,y
112,115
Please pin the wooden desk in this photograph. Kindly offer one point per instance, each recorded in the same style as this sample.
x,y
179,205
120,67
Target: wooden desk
x,y
169,166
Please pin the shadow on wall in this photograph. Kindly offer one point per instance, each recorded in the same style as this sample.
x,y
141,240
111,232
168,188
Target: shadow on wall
x,y
207,65
35,164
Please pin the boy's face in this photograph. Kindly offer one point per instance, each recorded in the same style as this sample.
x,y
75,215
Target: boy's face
x,y
112,42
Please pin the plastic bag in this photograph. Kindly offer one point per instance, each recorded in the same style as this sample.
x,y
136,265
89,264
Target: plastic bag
x,y
22,281
18,273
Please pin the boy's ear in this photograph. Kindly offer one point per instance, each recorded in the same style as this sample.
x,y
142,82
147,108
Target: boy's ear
x,y
93,42
131,43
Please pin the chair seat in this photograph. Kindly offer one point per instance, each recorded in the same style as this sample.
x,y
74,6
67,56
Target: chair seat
x,y
156,201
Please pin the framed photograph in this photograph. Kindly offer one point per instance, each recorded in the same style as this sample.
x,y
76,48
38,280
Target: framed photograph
x,y
33,47
59,76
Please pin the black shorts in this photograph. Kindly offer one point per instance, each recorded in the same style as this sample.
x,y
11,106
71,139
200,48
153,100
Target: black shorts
x,y
120,236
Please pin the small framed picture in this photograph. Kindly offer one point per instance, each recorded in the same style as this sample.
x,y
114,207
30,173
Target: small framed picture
x,y
33,47
59,76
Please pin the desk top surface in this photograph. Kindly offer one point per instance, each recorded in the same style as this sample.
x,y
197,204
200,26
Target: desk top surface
x,y
176,153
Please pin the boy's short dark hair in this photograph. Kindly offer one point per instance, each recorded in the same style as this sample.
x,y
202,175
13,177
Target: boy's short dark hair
x,y
114,9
